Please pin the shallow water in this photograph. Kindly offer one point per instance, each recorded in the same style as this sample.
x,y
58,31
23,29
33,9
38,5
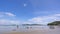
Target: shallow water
x,y
29,28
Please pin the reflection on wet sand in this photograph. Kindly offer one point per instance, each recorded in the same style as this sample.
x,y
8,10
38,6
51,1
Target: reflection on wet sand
x,y
34,30
51,27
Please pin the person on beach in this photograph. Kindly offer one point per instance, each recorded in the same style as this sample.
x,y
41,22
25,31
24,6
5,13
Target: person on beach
x,y
17,26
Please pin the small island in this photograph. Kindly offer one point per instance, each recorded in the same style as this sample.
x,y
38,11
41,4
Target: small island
x,y
54,23
32,24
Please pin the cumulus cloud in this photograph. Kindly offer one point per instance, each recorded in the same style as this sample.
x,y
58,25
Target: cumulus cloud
x,y
44,19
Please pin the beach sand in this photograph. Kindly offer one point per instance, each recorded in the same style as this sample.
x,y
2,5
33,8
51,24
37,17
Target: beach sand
x,y
35,32
32,32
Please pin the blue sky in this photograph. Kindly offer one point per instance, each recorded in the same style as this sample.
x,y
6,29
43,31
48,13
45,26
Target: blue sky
x,y
29,11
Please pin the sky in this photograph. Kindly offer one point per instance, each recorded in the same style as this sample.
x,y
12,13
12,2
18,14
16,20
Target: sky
x,y
29,11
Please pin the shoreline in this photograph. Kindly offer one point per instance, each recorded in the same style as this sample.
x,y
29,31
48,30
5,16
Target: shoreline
x,y
35,32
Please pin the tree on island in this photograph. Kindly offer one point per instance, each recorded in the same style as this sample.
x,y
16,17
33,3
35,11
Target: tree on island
x,y
54,23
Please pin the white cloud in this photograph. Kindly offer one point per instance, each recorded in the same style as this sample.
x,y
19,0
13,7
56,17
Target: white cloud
x,y
38,20
5,14
38,12
5,21
57,15
25,5
9,14
44,19
35,19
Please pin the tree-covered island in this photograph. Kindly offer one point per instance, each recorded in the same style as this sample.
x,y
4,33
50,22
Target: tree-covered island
x,y
54,23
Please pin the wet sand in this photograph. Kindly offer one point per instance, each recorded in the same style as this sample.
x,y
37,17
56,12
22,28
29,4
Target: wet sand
x,y
33,31
36,32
